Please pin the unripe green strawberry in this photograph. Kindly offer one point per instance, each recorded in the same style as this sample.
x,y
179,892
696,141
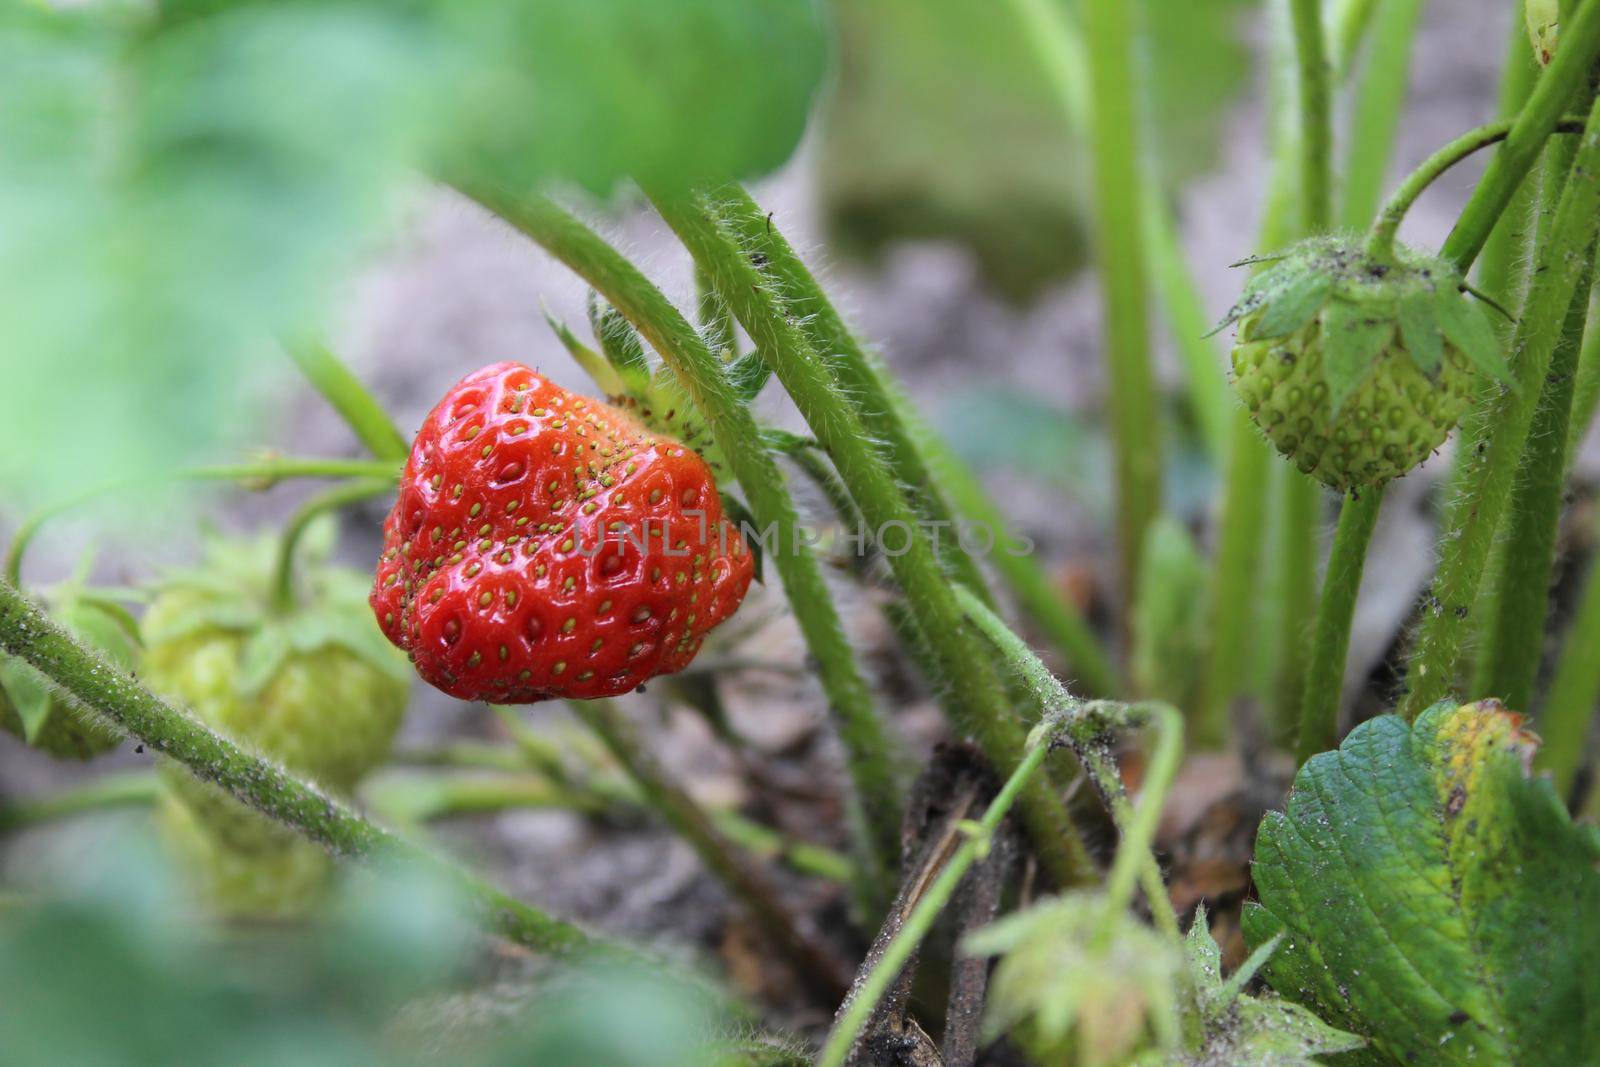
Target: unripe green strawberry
x,y
316,688
41,716
1355,367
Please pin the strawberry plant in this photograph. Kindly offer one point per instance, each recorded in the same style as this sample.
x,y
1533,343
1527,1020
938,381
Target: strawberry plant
x,y
775,698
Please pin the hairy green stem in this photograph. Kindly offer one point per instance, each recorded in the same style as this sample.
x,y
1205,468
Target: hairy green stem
x,y
340,496
1474,515
1379,103
1110,37
1319,708
1513,643
359,408
860,375
1504,254
1566,721
1554,92
978,696
673,804
262,474
27,632
1316,116
869,750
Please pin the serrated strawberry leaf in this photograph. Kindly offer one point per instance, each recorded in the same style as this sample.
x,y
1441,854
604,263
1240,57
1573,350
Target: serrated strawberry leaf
x,y
1292,303
620,343
1352,339
1436,897
1469,329
1419,329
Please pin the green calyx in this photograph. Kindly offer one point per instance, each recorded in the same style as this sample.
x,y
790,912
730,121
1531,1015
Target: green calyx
x,y
649,390
1357,365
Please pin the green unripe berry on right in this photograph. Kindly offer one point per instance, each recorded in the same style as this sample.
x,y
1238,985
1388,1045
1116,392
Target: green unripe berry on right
x,y
1358,367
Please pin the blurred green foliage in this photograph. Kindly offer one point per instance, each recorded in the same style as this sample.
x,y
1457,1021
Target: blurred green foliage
x,y
107,967
180,184
949,121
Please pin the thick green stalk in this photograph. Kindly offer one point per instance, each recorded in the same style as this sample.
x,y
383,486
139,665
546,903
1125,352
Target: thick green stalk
x,y
358,407
1501,264
861,376
340,496
28,633
1319,709
1188,323
671,803
1554,92
1233,603
1567,718
259,475
976,690
1301,500
1513,643
1119,235
1585,392
869,750
1474,515
1379,103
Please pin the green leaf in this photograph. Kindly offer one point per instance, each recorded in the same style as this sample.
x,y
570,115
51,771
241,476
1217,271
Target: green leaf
x,y
749,375
594,365
1169,615
1470,330
30,699
1419,329
1292,303
1352,339
1235,1028
621,344
263,655
1437,898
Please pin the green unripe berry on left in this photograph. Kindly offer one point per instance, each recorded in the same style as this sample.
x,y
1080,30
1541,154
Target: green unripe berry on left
x,y
317,688
1357,367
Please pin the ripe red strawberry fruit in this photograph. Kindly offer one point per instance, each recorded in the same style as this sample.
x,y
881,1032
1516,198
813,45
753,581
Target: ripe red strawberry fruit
x,y
545,544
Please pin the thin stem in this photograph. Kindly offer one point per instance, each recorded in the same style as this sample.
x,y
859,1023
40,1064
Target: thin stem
x,y
1301,510
29,633
1554,92
869,750
359,408
259,475
1065,627
1119,234
340,496
1354,19
1087,722
669,801
1380,241
860,375
864,998
1567,719
1319,709
1504,254
1379,103
977,695
1474,515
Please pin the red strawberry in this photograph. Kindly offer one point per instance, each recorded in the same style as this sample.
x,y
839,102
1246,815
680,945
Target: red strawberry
x,y
547,545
